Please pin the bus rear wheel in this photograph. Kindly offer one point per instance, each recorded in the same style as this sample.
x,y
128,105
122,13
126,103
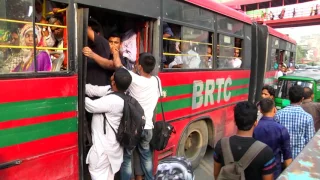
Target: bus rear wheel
x,y
193,143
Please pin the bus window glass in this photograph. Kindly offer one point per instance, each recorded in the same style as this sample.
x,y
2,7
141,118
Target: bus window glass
x,y
275,42
187,48
187,13
229,52
19,36
229,25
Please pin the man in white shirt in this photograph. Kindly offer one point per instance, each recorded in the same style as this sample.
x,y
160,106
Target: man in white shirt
x,y
188,59
236,62
106,155
145,89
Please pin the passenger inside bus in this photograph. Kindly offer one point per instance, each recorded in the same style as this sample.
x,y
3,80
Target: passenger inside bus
x,y
24,60
46,36
188,59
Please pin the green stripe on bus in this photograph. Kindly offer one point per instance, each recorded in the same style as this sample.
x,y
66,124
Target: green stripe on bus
x,y
187,89
24,134
187,102
27,109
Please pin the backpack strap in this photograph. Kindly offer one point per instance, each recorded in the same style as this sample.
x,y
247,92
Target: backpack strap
x,y
104,124
226,150
163,118
251,154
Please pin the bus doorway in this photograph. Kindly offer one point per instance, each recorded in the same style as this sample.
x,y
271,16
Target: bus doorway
x,y
132,34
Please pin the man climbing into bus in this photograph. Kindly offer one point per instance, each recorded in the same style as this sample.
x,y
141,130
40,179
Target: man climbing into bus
x,y
106,155
146,89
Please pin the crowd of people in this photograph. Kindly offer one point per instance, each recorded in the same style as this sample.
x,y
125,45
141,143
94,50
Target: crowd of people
x,y
106,156
285,133
22,58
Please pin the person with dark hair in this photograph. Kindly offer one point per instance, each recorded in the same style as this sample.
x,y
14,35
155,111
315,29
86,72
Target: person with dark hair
x,y
298,122
98,47
106,155
262,166
311,107
273,134
267,92
146,89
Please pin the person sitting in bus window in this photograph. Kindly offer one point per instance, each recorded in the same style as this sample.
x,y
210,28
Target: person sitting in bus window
x,y
106,155
206,61
26,56
129,43
188,59
167,33
236,61
58,35
50,7
48,37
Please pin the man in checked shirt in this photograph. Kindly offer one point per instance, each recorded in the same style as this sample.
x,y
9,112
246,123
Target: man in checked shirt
x,y
298,122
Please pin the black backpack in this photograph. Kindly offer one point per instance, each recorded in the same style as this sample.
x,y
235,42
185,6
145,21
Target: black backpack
x,y
162,130
132,122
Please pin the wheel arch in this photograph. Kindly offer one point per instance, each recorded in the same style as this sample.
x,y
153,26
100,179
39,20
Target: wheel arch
x,y
210,127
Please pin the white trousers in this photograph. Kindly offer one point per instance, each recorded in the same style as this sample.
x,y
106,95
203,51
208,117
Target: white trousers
x,y
99,166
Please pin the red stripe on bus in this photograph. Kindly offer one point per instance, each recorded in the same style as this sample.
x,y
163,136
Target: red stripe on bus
x,y
270,74
188,111
14,90
38,147
180,78
62,164
37,120
182,96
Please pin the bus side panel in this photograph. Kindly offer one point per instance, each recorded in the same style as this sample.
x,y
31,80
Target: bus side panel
x,y
270,78
38,125
207,95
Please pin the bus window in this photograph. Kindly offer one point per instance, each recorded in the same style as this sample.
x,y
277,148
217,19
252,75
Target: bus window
x,y
19,37
229,25
188,48
16,37
229,52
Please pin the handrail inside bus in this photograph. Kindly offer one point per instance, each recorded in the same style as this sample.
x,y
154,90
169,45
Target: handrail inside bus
x,y
229,46
174,54
27,22
59,11
31,47
178,40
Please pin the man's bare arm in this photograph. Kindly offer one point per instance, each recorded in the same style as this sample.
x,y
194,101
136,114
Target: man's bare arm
x,y
216,170
268,177
103,62
287,162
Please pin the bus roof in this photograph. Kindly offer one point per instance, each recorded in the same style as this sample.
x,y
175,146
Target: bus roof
x,y
304,76
222,9
280,35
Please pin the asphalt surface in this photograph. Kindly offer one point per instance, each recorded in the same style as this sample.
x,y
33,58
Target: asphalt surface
x,y
205,170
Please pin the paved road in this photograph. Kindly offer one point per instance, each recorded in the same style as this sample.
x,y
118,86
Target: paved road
x,y
205,170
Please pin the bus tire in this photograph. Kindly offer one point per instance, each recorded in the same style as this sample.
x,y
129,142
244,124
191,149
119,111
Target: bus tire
x,y
193,143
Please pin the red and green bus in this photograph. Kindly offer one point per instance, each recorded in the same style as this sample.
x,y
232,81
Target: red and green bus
x,y
42,113
272,49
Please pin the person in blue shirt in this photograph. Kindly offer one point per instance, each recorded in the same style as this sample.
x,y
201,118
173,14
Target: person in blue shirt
x,y
273,134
